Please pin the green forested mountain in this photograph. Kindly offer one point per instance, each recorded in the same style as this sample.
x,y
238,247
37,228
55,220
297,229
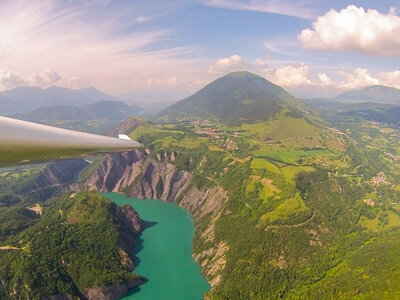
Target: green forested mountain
x,y
66,246
311,208
290,201
235,97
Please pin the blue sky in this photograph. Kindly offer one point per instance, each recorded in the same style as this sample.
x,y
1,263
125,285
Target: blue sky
x,y
166,50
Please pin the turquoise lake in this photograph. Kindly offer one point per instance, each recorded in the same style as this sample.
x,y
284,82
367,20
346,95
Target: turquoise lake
x,y
164,253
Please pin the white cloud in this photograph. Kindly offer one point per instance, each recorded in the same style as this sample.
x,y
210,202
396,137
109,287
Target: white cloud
x,y
9,79
390,78
299,9
87,44
75,82
260,62
358,79
46,77
228,64
169,81
290,75
324,79
355,29
142,19
304,80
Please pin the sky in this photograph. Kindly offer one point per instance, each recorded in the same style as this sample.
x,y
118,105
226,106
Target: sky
x,y
152,51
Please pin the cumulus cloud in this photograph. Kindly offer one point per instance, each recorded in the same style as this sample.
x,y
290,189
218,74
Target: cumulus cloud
x,y
358,79
75,82
47,77
228,64
324,79
390,78
260,62
355,29
9,79
290,75
309,81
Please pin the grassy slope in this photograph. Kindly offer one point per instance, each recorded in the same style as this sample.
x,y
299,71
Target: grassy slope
x,y
296,217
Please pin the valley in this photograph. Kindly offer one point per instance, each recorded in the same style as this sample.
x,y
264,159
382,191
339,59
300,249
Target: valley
x,y
288,197
283,207
165,252
199,150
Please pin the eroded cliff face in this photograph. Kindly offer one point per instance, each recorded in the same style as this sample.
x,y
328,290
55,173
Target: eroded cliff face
x,y
137,175
112,292
116,172
158,180
53,178
208,205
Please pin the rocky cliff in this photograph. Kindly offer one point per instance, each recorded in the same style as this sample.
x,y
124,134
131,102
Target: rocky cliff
x,y
117,171
53,178
112,292
138,175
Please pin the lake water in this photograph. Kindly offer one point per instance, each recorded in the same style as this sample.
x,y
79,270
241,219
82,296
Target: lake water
x,y
164,253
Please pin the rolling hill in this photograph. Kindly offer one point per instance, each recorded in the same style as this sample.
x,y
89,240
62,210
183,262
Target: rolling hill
x,y
238,96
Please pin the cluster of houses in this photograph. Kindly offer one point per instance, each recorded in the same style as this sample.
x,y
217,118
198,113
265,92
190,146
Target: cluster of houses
x,y
209,129
379,179
392,156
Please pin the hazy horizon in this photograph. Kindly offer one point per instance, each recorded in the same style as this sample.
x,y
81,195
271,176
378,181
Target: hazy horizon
x,y
165,51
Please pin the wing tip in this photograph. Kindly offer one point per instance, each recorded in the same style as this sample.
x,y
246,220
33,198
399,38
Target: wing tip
x,y
124,137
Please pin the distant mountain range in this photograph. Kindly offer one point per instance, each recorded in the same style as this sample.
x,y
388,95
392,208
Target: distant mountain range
x,y
375,103
110,110
238,96
97,117
81,109
375,94
25,99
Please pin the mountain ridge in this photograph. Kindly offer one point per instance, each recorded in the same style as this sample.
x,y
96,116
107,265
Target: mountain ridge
x,y
97,117
25,99
240,96
374,93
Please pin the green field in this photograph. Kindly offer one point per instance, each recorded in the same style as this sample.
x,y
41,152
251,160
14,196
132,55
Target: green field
x,y
260,163
381,222
289,156
287,212
283,127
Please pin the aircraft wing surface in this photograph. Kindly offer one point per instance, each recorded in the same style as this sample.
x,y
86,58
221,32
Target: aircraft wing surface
x,y
26,142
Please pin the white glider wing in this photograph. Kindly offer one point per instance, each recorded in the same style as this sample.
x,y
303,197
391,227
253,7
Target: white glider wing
x,y
23,142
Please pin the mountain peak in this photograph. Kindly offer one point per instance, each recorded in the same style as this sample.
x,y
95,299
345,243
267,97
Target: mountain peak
x,y
243,74
237,96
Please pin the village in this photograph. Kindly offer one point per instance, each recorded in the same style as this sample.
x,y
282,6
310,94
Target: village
x,y
216,135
